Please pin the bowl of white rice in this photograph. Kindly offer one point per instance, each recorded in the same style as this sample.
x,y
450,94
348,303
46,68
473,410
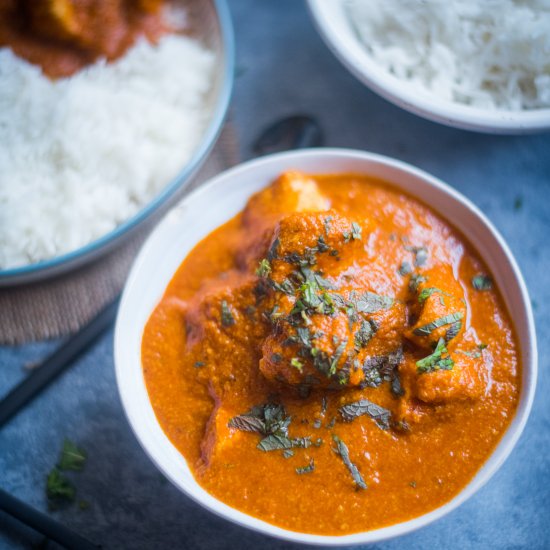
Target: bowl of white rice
x,y
482,66
88,159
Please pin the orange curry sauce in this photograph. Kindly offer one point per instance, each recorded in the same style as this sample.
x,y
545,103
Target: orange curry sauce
x,y
343,317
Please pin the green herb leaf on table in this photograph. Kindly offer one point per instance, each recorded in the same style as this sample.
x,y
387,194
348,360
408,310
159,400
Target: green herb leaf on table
x,y
72,458
59,488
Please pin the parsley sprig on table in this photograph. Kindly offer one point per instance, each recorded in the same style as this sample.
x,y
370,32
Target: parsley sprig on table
x,y
59,489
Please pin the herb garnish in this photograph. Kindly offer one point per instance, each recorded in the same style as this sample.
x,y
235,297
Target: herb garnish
x,y
405,268
378,368
427,292
415,281
271,421
58,487
363,336
354,233
264,419
369,302
435,361
482,282
227,317
272,253
72,458
297,364
453,331
306,469
474,354
359,408
264,268
420,254
343,451
427,329
326,223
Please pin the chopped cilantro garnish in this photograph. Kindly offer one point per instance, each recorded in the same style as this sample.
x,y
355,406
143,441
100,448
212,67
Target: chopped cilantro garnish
x,y
359,408
416,280
363,336
227,317
482,282
264,268
342,450
306,469
427,329
435,361
427,292
297,364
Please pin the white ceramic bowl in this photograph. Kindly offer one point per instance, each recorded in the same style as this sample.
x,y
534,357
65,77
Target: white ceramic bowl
x,y
219,200
336,29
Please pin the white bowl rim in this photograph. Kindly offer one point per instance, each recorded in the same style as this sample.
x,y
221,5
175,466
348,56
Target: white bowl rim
x,y
528,350
355,58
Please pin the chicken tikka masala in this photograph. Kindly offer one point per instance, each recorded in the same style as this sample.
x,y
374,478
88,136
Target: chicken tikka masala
x,y
334,359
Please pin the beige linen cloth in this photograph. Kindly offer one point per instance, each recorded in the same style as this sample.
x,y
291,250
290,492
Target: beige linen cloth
x,y
62,305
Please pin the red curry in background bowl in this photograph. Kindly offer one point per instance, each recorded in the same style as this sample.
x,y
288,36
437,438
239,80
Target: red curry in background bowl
x,y
336,360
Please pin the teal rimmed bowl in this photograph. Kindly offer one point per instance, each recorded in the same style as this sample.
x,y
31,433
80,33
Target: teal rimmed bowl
x,y
212,25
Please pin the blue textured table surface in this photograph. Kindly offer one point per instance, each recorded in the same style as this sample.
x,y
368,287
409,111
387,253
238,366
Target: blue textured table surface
x,y
284,68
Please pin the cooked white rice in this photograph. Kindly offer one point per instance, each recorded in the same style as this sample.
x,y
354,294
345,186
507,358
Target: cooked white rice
x,y
80,155
488,53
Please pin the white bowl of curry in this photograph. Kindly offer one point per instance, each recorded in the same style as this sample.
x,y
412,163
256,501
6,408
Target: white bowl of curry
x,y
319,346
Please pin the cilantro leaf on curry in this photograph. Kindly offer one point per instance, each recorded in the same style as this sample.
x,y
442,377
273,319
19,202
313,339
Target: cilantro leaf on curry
x,y
427,329
342,450
482,282
436,360
362,407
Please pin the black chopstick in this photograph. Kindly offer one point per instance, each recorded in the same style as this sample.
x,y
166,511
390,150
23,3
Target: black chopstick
x,y
44,524
57,362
